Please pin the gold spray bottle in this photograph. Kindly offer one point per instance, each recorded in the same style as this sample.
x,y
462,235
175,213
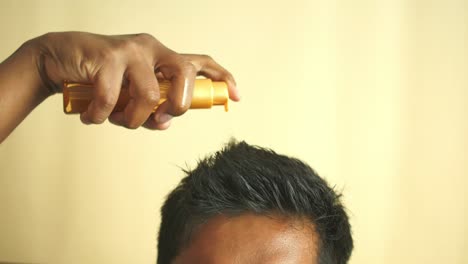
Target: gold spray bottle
x,y
206,93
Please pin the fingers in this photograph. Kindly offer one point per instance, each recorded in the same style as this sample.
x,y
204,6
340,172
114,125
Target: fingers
x,y
153,125
144,96
182,75
106,93
206,66
133,59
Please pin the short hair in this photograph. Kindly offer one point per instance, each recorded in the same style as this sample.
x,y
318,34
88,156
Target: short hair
x,y
249,179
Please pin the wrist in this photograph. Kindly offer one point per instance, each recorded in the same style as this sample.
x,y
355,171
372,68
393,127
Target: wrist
x,y
21,88
39,53
22,67
28,56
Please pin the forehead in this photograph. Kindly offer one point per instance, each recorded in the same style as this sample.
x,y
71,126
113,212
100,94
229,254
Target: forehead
x,y
251,239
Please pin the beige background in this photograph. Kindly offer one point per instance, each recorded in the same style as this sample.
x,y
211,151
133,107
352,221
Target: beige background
x,y
373,94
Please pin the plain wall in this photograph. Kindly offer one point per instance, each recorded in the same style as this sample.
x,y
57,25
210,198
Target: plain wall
x,y
372,94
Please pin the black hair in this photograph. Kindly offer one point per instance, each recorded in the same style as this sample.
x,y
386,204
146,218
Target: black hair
x,y
249,179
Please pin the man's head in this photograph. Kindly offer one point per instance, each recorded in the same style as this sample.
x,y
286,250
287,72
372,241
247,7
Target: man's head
x,y
246,204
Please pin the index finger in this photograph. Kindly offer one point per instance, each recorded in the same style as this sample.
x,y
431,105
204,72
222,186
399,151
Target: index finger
x,y
208,67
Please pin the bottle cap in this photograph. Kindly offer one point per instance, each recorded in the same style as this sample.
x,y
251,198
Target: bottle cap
x,y
207,93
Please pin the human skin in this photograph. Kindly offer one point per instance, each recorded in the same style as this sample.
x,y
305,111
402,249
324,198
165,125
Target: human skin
x,y
252,239
38,68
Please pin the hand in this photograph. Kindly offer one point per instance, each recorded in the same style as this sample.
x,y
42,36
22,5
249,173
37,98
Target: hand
x,y
109,61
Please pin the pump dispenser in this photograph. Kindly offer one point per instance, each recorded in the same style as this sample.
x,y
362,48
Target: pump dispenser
x,y
206,93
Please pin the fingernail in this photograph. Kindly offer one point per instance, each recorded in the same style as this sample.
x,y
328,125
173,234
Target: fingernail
x,y
239,96
84,119
112,120
116,118
164,126
163,118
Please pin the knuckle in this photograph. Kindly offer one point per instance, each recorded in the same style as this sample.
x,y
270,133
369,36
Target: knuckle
x,y
145,37
226,76
187,68
206,58
106,102
151,97
110,55
178,107
129,46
